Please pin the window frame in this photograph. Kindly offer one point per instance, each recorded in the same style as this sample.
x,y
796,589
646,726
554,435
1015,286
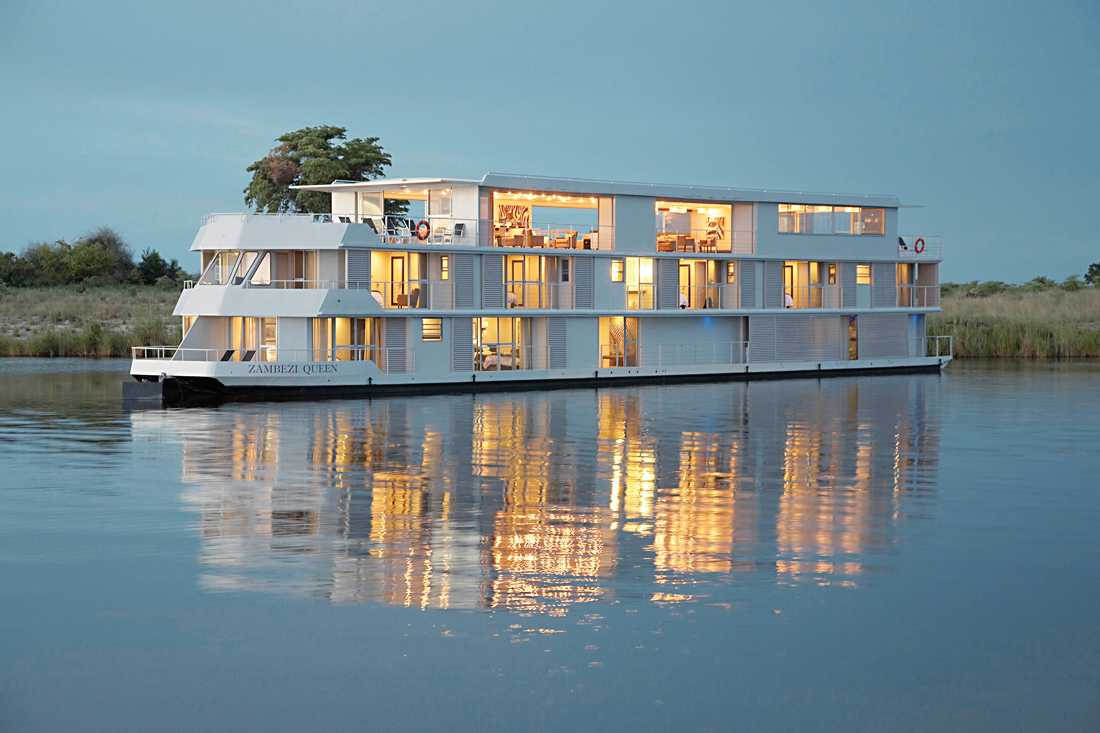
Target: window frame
x,y
618,263
424,332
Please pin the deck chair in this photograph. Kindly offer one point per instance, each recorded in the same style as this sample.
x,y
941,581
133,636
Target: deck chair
x,y
414,298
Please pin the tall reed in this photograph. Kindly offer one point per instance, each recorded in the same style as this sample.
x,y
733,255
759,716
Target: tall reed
x,y
1048,324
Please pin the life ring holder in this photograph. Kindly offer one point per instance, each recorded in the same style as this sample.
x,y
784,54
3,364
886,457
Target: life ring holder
x,y
918,246
423,230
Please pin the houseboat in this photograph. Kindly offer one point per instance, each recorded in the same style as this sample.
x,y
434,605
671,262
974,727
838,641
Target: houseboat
x,y
520,281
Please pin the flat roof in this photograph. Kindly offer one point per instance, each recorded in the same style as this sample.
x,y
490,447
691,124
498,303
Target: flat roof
x,y
593,186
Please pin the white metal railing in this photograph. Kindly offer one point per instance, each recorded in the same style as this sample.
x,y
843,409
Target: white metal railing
x,y
940,346
617,355
710,295
188,284
503,357
423,294
918,296
554,236
706,240
298,283
702,354
391,229
538,294
391,360
813,296
920,247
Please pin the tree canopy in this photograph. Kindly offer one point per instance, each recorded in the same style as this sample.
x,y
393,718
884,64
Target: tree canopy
x,y
98,258
311,155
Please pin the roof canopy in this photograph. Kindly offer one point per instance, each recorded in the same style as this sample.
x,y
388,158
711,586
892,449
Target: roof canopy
x,y
596,187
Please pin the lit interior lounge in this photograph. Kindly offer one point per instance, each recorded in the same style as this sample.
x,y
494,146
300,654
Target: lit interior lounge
x,y
684,226
559,221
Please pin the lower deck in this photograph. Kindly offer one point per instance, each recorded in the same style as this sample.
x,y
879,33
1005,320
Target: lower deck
x,y
335,354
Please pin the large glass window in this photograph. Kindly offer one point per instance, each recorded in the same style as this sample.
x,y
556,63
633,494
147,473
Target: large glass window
x,y
221,268
501,344
618,342
639,283
822,219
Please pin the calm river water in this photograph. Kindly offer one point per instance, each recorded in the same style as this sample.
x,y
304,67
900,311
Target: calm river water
x,y
882,553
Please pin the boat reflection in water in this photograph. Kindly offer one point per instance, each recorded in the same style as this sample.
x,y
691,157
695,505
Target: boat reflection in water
x,y
534,502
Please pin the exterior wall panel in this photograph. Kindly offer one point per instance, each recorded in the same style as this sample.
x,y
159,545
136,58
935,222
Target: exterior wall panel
x,y
395,341
761,338
584,275
462,344
884,285
359,268
668,283
848,284
492,281
746,275
773,284
462,278
557,342
883,335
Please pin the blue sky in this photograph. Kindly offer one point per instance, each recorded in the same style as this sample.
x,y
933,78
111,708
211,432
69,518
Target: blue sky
x,y
143,115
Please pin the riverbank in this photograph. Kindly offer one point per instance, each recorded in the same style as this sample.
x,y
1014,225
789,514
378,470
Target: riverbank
x,y
107,320
1043,324
86,321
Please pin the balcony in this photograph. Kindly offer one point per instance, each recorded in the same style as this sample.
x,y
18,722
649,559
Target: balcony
x,y
536,294
710,295
918,296
234,230
409,294
706,241
813,297
560,236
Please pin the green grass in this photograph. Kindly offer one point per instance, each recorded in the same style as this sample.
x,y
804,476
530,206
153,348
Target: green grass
x,y
86,321
1044,324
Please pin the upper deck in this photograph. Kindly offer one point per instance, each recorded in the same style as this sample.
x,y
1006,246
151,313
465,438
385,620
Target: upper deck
x,y
524,213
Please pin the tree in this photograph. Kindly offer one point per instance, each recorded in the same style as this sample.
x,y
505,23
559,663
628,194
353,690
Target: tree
x,y
1092,277
152,267
307,156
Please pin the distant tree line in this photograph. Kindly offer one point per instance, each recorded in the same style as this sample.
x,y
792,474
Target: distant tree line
x,y
981,289
99,258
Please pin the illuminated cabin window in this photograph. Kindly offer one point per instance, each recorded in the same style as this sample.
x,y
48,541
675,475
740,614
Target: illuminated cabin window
x,y
444,268
821,219
617,268
832,273
863,274
431,329
731,272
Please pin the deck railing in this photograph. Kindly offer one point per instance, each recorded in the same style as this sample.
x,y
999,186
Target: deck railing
x,y
702,354
706,241
920,247
409,294
813,296
552,236
390,360
391,229
537,294
711,295
918,296
504,358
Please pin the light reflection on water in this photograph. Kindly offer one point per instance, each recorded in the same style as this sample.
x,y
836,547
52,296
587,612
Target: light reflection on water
x,y
898,553
537,502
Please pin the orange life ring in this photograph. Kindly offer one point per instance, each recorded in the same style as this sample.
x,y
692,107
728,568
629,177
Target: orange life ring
x,y
423,230
918,246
